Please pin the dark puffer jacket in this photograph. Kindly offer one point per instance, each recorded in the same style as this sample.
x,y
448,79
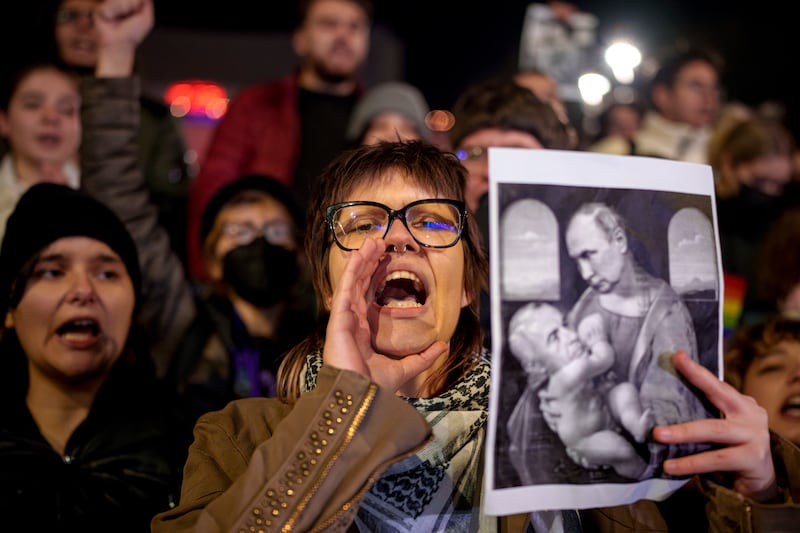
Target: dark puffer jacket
x,y
119,469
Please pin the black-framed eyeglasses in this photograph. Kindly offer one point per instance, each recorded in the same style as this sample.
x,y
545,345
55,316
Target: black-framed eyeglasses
x,y
433,223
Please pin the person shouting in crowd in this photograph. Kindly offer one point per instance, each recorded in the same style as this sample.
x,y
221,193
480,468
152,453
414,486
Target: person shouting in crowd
x,y
220,340
392,391
84,439
762,360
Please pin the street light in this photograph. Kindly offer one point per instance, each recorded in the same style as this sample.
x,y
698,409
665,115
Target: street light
x,y
623,57
593,88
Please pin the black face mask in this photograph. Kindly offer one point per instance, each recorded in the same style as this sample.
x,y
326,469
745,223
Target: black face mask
x,y
260,272
752,201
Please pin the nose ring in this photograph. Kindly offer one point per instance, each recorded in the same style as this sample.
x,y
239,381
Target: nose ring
x,y
393,248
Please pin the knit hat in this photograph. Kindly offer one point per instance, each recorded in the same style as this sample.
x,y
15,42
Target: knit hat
x,y
47,212
389,96
250,182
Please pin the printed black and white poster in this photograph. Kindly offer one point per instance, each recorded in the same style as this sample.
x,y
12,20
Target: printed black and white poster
x,y
602,267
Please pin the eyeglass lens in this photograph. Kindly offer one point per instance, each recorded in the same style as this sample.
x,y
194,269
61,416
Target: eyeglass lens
x,y
275,232
70,16
434,224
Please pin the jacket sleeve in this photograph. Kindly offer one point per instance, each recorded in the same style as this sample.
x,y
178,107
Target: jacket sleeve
x,y
730,511
111,172
262,465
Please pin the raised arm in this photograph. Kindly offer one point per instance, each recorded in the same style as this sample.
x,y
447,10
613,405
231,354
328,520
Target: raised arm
x,y
121,25
110,171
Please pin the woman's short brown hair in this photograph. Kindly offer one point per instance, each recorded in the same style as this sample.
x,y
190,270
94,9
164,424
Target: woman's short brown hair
x,y
429,167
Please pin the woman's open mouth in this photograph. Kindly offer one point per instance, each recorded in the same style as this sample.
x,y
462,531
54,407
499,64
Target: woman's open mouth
x,y
401,289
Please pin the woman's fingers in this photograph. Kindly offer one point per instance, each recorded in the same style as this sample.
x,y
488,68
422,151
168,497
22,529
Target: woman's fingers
x,y
347,340
355,280
716,430
394,373
721,394
743,433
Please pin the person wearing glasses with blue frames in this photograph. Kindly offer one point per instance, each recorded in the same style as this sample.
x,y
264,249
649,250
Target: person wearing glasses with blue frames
x,y
381,416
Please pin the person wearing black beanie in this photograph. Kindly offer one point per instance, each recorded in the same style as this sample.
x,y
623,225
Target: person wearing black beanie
x,y
77,394
87,441
256,303
48,212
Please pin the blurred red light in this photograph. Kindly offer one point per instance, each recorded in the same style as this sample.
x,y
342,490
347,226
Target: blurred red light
x,y
197,98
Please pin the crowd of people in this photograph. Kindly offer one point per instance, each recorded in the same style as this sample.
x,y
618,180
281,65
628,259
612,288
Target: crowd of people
x,y
298,337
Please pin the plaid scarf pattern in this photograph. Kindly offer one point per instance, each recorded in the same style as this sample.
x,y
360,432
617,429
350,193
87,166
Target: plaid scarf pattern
x,y
439,488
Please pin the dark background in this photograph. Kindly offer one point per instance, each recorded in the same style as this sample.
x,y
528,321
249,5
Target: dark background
x,y
448,43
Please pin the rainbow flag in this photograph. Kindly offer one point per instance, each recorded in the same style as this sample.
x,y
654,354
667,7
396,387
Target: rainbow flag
x,y
735,288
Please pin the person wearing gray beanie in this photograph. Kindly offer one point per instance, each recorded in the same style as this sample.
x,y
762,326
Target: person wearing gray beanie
x,y
390,111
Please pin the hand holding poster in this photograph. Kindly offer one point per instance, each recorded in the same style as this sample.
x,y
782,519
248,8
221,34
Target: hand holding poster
x,y
603,267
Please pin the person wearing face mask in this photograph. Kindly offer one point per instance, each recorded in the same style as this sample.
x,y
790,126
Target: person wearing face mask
x,y
752,161
252,309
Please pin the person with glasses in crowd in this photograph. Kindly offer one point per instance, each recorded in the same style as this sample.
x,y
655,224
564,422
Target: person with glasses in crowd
x,y
254,307
381,416
499,112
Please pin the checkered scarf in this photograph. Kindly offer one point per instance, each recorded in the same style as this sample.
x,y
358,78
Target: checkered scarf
x,y
439,488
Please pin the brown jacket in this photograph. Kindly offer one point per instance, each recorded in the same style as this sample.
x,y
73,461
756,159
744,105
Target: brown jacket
x,y
265,465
